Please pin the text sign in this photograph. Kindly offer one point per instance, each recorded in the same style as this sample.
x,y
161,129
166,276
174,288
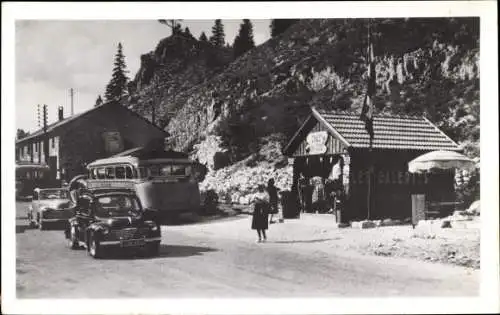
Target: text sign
x,y
316,142
390,177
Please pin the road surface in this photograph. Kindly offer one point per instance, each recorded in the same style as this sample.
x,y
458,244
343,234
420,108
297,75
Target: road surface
x,y
199,261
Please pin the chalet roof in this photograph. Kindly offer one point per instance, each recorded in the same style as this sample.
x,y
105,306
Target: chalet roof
x,y
390,132
66,121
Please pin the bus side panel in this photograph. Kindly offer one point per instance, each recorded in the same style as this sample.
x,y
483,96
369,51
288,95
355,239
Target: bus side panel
x,y
169,197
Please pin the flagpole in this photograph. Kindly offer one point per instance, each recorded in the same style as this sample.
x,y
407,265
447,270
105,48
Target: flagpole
x,y
370,147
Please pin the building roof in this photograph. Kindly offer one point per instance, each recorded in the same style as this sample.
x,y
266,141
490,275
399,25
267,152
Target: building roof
x,y
66,121
397,132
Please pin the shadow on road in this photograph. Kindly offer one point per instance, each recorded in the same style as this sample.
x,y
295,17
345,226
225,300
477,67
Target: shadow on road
x,y
202,219
166,251
307,241
22,228
183,250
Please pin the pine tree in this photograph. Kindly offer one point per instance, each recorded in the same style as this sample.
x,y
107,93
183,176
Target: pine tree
x,y
244,40
278,26
98,101
203,37
187,33
117,86
218,37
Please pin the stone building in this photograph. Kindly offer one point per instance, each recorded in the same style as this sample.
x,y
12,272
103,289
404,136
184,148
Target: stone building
x,y
75,141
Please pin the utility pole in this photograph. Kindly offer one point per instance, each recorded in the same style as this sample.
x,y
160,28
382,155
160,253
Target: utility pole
x,y
38,115
71,95
45,137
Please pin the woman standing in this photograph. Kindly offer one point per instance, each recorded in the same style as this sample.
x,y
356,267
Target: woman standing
x,y
260,213
273,199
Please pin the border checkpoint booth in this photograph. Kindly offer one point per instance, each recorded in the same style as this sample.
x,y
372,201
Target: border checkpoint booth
x,y
375,183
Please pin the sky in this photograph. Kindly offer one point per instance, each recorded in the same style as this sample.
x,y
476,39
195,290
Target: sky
x,y
53,56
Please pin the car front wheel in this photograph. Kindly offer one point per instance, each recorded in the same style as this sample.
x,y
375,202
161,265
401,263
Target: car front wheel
x,y
153,249
41,225
94,248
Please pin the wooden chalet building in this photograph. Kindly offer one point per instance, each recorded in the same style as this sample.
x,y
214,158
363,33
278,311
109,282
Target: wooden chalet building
x,y
80,139
329,138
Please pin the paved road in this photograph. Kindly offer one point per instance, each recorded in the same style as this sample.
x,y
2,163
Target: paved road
x,y
195,261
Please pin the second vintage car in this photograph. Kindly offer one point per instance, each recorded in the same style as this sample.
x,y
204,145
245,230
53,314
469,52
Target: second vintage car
x,y
50,206
111,219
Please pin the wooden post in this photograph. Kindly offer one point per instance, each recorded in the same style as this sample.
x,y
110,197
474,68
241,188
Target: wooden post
x,y
369,196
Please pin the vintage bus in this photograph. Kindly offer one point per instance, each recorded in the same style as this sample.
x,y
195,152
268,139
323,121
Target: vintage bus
x,y
30,176
166,183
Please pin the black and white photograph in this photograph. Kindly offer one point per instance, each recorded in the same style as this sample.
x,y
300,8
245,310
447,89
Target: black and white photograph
x,y
239,158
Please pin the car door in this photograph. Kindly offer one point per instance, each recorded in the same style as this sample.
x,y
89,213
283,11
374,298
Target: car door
x,y
83,216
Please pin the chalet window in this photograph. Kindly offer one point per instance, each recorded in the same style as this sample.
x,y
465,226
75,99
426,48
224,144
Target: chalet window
x,y
53,143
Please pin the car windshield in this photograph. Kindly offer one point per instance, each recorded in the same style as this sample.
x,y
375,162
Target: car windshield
x,y
53,194
116,206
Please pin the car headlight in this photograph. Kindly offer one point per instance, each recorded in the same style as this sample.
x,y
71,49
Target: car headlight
x,y
154,228
105,231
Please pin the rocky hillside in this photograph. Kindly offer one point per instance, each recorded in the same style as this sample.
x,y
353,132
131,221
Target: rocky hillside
x,y
177,64
210,103
422,65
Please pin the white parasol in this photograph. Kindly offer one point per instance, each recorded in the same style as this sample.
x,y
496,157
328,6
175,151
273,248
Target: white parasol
x,y
440,160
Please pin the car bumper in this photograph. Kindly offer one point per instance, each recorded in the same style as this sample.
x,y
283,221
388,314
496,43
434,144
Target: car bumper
x,y
115,243
46,220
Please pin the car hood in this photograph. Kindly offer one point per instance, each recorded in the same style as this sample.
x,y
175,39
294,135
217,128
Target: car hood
x,y
57,204
121,222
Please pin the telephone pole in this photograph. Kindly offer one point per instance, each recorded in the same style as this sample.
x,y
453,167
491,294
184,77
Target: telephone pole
x,y
45,136
39,116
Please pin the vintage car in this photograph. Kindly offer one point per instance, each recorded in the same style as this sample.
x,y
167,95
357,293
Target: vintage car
x,y
111,219
50,206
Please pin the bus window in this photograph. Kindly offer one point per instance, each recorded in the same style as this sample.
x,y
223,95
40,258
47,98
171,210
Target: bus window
x,y
143,173
120,172
129,172
179,169
28,175
110,172
154,170
101,174
166,170
41,174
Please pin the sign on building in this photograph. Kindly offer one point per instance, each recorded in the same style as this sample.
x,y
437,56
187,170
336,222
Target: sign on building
x,y
316,142
113,141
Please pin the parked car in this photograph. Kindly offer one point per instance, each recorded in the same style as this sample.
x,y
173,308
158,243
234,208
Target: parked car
x,y
111,219
50,206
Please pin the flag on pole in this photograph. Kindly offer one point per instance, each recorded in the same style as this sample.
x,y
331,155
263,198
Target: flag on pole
x,y
367,110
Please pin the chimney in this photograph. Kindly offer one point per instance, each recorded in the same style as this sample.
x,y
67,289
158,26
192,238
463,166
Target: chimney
x,y
61,114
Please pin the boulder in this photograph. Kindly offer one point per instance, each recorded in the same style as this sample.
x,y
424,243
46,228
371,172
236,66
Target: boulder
x,y
362,224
